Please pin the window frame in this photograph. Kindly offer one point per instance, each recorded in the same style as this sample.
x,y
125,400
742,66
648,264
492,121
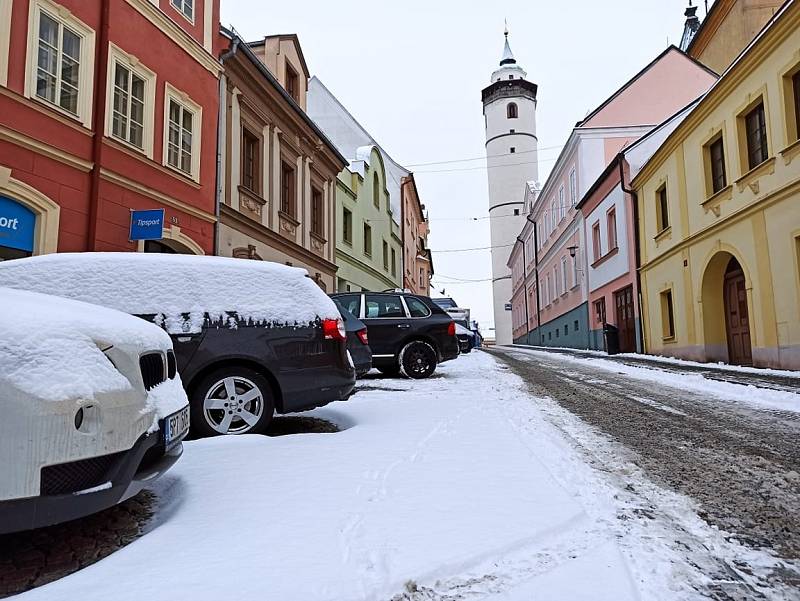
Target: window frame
x,y
180,9
711,186
288,187
611,229
751,148
794,83
512,110
347,224
367,231
394,262
317,212
173,94
385,251
667,299
248,138
565,275
662,209
597,242
292,81
573,187
134,65
86,70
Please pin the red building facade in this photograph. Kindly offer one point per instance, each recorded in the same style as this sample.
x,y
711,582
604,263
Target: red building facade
x,y
107,106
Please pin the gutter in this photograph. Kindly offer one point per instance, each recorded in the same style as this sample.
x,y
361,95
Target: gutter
x,y
222,126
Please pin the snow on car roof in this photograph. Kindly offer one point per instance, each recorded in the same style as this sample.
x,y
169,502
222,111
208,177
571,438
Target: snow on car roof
x,y
173,285
51,348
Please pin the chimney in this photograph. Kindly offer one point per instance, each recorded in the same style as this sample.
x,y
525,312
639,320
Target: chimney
x,y
691,27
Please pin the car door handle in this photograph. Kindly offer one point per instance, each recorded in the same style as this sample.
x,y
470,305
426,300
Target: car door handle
x,y
403,326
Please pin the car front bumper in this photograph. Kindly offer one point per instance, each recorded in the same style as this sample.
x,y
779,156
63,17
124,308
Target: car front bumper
x,y
130,472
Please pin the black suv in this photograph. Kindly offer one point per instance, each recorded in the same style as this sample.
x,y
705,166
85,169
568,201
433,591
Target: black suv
x,y
251,338
406,332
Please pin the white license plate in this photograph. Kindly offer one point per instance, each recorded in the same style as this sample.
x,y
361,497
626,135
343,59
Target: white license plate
x,y
176,426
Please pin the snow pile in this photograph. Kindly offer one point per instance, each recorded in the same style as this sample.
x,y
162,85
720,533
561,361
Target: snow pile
x,y
165,399
174,286
51,348
765,398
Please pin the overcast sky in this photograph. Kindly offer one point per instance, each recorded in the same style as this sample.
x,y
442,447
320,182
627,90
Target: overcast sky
x,y
411,72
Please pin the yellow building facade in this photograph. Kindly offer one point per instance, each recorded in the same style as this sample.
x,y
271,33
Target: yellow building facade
x,y
719,215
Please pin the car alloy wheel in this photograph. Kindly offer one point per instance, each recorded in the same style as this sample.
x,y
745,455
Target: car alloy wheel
x,y
233,405
418,360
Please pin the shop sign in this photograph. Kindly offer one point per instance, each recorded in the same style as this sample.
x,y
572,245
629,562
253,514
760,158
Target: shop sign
x,y
17,225
147,225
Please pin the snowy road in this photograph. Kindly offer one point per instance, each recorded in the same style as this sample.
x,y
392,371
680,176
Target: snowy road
x,y
710,440
470,485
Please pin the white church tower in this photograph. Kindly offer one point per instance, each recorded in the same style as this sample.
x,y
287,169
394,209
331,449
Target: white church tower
x,y
509,108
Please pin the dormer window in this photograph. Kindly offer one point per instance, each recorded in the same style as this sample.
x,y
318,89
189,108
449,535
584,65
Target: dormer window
x,y
512,111
292,83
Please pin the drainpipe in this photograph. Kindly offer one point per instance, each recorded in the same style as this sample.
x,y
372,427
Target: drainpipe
x,y
636,245
525,284
98,124
222,126
536,275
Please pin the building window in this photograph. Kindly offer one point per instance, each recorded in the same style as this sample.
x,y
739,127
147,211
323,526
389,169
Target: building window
x,y
376,191
61,61
347,226
128,109
756,133
573,188
288,195
565,274
394,262
662,209
611,220
562,207
667,315
512,110
421,278
796,95
185,7
317,213
367,240
385,256
250,161
179,137
596,248
292,83
512,150
599,312
575,326
716,165
516,212
549,288
553,215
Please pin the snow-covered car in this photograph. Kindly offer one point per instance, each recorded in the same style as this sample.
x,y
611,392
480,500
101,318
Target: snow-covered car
x,y
92,408
251,338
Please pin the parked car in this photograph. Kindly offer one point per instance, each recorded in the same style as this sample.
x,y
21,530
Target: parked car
x,y
466,338
92,408
407,333
357,341
251,338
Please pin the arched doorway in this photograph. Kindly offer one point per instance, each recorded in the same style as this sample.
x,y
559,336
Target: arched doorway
x,y
737,315
726,311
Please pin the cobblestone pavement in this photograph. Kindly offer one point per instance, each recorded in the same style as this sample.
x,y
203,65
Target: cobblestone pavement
x,y
35,558
742,465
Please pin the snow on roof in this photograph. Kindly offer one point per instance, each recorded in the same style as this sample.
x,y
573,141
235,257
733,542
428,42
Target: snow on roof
x,y
173,285
51,348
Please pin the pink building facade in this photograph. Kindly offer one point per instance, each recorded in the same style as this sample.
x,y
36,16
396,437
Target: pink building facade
x,y
556,258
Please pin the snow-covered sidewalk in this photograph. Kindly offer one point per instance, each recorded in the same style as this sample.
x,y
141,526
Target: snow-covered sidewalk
x,y
461,484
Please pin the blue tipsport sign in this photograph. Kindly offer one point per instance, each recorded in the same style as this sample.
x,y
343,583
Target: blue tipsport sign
x,y
147,225
17,225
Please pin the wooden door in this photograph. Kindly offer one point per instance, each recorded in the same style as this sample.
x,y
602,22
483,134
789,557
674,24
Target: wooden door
x,y
737,317
626,322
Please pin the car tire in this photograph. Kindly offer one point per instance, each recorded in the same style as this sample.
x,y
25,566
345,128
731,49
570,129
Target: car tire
x,y
232,400
418,360
390,371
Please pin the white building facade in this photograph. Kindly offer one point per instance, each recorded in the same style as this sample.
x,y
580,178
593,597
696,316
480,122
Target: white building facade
x,y
509,108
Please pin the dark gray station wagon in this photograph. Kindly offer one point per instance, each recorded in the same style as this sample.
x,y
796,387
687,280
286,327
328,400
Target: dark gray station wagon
x,y
407,332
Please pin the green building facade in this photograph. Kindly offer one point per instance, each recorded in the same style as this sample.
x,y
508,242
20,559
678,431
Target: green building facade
x,y
369,248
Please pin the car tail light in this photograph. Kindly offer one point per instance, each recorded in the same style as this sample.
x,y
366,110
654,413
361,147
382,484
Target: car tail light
x,y
362,335
333,329
451,328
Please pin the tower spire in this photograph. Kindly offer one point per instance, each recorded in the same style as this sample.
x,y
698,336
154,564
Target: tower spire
x,y
508,56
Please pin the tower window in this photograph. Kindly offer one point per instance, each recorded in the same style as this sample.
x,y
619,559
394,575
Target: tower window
x,y
512,110
513,150
516,212
511,77
511,131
